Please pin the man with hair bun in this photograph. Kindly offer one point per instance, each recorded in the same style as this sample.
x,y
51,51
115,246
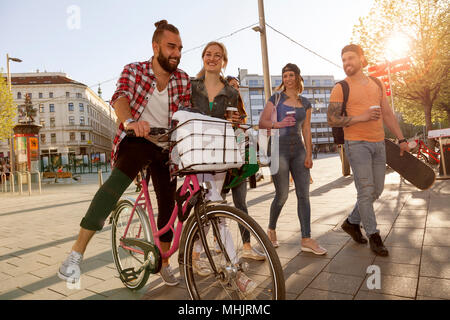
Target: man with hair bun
x,y
147,95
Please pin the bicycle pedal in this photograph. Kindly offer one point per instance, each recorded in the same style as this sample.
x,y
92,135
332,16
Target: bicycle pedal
x,y
129,275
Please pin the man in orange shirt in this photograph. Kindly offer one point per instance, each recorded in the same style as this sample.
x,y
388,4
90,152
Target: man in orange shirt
x,y
367,109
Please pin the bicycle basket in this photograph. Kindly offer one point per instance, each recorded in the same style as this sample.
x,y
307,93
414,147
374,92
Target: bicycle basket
x,y
202,143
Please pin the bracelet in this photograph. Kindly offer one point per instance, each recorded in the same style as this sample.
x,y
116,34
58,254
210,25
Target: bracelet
x,y
273,125
402,140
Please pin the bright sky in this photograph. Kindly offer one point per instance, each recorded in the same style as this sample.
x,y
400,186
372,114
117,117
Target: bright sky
x,y
46,34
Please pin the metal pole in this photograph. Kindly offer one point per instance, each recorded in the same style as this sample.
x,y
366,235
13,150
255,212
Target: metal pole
x,y
29,182
265,56
100,177
11,139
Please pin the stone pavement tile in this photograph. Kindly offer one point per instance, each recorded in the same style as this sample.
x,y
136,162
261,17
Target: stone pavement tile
x,y
332,250
85,295
421,202
108,287
16,282
66,289
354,266
434,287
337,283
163,292
330,220
103,273
428,298
437,237
333,238
405,237
354,249
435,262
305,265
20,267
438,220
391,285
4,276
44,294
410,222
288,251
398,269
386,219
13,294
401,255
366,295
314,294
410,212
296,283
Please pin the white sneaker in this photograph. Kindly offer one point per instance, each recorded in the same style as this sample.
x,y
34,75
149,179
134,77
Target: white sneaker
x,y
245,284
253,254
168,277
70,269
201,267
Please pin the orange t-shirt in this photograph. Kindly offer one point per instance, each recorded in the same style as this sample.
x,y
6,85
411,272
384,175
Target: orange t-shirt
x,y
361,97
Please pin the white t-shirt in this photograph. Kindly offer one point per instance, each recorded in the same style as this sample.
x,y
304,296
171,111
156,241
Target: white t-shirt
x,y
156,113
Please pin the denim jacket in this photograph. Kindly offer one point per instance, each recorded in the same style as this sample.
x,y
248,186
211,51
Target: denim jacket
x,y
227,97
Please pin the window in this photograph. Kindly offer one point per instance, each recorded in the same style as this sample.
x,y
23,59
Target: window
x,y
253,83
82,122
72,136
41,108
71,120
19,95
51,108
41,95
79,95
81,107
42,122
53,137
52,122
277,82
42,137
67,94
50,94
316,82
83,137
70,106
31,95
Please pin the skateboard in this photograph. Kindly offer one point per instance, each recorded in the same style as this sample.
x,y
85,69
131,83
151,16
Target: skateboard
x,y
409,167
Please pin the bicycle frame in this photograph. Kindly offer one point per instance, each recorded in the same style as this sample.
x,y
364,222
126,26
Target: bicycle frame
x,y
143,201
423,149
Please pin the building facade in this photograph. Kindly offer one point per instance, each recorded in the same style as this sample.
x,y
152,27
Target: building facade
x,y
317,90
74,119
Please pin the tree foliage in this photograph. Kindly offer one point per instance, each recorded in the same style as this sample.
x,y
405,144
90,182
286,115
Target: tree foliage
x,y
421,94
7,110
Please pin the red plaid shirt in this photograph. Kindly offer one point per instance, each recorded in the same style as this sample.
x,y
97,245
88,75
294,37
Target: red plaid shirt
x,y
136,82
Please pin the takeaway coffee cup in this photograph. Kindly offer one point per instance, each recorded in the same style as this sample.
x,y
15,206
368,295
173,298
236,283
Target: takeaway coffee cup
x,y
230,111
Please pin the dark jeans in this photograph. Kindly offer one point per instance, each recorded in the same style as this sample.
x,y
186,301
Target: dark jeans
x,y
134,154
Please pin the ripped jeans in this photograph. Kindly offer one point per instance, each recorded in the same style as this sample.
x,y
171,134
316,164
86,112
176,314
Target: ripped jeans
x,y
368,163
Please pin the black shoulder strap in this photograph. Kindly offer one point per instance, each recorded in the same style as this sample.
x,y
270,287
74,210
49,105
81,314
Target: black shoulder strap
x,y
346,92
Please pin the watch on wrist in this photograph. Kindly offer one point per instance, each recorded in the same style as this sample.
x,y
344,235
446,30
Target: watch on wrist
x,y
127,122
402,140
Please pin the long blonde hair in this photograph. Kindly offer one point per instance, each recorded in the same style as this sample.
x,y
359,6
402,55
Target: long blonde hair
x,y
225,57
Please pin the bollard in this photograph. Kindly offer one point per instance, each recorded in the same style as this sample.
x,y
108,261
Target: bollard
x,y
19,179
11,179
29,182
4,182
39,181
100,177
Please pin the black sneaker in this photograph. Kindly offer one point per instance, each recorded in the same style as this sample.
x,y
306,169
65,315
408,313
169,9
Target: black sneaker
x,y
377,245
354,231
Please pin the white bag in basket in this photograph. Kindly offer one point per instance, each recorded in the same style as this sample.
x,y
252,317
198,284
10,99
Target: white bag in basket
x,y
202,141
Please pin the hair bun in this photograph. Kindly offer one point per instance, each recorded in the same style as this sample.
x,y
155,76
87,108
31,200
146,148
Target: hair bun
x,y
161,23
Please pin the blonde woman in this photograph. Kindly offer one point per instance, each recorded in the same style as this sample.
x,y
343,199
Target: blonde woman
x,y
290,113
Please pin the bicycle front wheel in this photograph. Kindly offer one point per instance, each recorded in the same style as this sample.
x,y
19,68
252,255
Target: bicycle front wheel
x,y
238,275
129,259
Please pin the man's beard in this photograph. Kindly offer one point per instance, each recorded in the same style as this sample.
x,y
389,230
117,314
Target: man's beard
x,y
353,71
165,64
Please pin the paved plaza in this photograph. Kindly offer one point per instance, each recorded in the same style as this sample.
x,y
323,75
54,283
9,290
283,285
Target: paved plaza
x,y
37,232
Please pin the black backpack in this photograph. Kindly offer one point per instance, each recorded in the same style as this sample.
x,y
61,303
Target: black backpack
x,y
338,132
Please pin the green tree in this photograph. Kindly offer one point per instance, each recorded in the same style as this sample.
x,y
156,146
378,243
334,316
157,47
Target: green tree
x,y
421,93
7,110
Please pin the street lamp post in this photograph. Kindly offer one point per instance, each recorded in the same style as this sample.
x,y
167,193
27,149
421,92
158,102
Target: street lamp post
x,y
11,140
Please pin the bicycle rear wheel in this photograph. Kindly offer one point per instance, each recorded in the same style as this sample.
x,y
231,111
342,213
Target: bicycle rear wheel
x,y
129,259
267,275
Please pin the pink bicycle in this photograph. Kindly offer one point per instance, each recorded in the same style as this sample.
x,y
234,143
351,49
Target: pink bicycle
x,y
137,253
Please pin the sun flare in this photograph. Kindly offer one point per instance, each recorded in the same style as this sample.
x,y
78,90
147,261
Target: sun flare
x,y
397,46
